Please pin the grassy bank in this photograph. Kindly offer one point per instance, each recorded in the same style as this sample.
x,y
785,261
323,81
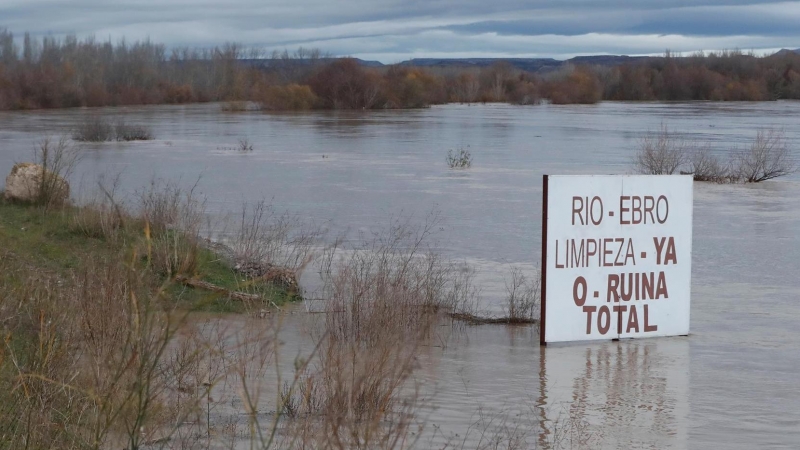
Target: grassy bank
x,y
92,302
61,242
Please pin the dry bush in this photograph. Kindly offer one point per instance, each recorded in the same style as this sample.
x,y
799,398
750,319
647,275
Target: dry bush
x,y
99,129
82,357
125,132
164,205
173,219
392,284
354,396
98,220
461,159
523,291
235,106
661,153
266,238
36,409
287,98
93,129
58,160
245,145
104,215
705,166
357,389
768,157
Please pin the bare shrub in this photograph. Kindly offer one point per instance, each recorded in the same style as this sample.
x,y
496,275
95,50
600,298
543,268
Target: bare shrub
x,y
58,161
173,218
165,205
522,299
235,106
266,237
125,132
245,145
350,396
99,129
85,360
661,153
705,166
103,215
461,159
392,284
292,97
93,129
461,295
767,157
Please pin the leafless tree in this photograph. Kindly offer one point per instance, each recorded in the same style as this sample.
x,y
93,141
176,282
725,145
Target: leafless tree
x,y
768,157
661,153
706,166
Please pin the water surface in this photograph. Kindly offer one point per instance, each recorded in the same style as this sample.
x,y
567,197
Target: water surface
x,y
731,384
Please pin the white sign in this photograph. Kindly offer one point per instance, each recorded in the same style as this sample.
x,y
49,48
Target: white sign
x,y
616,257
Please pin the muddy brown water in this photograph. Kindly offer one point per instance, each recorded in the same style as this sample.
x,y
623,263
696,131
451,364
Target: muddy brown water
x,y
733,383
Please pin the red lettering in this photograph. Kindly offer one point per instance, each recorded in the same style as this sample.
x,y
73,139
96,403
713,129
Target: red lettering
x,y
591,210
589,310
671,253
613,288
633,320
577,210
647,327
659,246
619,309
603,327
661,287
607,251
623,210
579,298
649,205
662,201
636,210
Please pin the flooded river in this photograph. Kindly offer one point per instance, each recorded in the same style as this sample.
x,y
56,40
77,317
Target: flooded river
x,y
733,383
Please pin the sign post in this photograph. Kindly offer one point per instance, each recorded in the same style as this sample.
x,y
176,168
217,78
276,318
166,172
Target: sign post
x,y
616,257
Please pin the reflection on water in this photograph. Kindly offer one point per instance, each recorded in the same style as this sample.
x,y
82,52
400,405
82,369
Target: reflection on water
x,y
732,383
631,394
628,394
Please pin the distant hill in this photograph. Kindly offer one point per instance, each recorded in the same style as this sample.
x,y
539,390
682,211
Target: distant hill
x,y
302,62
527,64
784,51
607,60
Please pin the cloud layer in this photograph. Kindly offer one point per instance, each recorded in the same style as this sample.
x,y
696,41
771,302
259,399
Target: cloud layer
x,y
394,30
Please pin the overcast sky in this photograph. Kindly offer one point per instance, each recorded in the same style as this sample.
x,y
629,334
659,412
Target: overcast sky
x,y
395,30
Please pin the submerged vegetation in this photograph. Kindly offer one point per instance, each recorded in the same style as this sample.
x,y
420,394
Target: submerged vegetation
x,y
665,152
54,73
99,129
461,159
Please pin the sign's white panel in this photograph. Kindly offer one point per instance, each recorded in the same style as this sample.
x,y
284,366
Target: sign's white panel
x,y
617,257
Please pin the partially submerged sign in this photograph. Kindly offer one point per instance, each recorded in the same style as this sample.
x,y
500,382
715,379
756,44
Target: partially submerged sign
x,y
616,257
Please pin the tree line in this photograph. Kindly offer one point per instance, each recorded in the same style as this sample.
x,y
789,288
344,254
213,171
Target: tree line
x,y
60,73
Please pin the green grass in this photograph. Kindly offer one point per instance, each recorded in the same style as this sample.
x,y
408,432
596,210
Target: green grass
x,y
50,241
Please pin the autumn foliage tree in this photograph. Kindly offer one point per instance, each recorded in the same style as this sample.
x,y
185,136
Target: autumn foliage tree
x,y
344,84
579,86
58,73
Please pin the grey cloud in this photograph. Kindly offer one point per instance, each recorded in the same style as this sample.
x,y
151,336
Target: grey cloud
x,y
396,29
